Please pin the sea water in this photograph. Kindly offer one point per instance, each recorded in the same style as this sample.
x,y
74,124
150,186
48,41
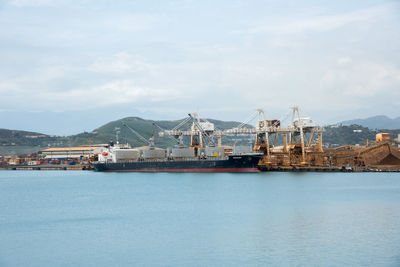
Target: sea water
x,y
84,218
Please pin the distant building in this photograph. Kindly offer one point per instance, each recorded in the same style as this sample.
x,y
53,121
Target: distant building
x,y
15,161
380,137
62,153
398,139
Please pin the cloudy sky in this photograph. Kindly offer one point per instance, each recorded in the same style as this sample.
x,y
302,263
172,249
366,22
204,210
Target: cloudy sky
x,y
86,62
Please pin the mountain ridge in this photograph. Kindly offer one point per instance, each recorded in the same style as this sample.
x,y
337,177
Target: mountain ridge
x,y
376,122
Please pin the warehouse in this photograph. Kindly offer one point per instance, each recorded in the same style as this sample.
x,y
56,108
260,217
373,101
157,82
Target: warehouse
x,y
80,152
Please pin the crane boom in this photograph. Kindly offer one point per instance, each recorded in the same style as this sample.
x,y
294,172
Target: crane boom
x,y
181,124
249,119
177,140
139,136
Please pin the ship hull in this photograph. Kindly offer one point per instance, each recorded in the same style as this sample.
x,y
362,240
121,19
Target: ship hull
x,y
243,163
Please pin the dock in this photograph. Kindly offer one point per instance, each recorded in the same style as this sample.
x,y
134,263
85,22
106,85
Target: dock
x,y
47,167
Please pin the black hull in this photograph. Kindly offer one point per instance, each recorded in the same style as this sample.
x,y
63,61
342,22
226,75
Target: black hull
x,y
242,163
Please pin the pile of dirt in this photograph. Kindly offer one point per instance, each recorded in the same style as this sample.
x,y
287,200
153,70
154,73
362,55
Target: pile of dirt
x,y
390,160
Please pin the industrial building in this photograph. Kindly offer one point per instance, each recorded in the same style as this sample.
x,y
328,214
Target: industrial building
x,y
80,152
380,137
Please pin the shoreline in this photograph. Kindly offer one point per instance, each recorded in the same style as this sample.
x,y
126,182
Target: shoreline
x,y
88,167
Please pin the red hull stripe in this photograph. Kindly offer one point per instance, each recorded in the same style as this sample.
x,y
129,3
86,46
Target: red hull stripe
x,y
190,170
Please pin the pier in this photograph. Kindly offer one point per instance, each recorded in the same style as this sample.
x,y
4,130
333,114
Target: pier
x,y
47,167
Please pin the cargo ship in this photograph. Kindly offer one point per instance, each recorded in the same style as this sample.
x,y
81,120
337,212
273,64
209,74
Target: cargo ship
x,y
196,158
242,163
145,159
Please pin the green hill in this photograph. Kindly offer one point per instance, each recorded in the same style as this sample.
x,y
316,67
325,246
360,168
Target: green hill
x,y
25,138
347,135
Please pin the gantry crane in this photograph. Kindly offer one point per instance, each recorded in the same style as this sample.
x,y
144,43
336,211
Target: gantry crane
x,y
268,133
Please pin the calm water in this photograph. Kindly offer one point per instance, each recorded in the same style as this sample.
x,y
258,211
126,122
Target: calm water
x,y
68,218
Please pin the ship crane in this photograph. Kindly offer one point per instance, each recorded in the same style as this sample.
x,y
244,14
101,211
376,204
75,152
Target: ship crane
x,y
203,133
150,141
178,139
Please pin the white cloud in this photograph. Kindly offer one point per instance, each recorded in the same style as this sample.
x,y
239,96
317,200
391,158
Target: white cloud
x,y
67,24
130,23
318,23
361,80
121,62
124,91
344,60
111,93
107,94
7,86
32,3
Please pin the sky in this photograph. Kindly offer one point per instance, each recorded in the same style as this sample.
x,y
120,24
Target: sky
x,y
68,66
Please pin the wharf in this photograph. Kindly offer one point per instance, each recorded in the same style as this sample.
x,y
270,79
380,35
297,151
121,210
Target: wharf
x,y
329,169
48,167
303,169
